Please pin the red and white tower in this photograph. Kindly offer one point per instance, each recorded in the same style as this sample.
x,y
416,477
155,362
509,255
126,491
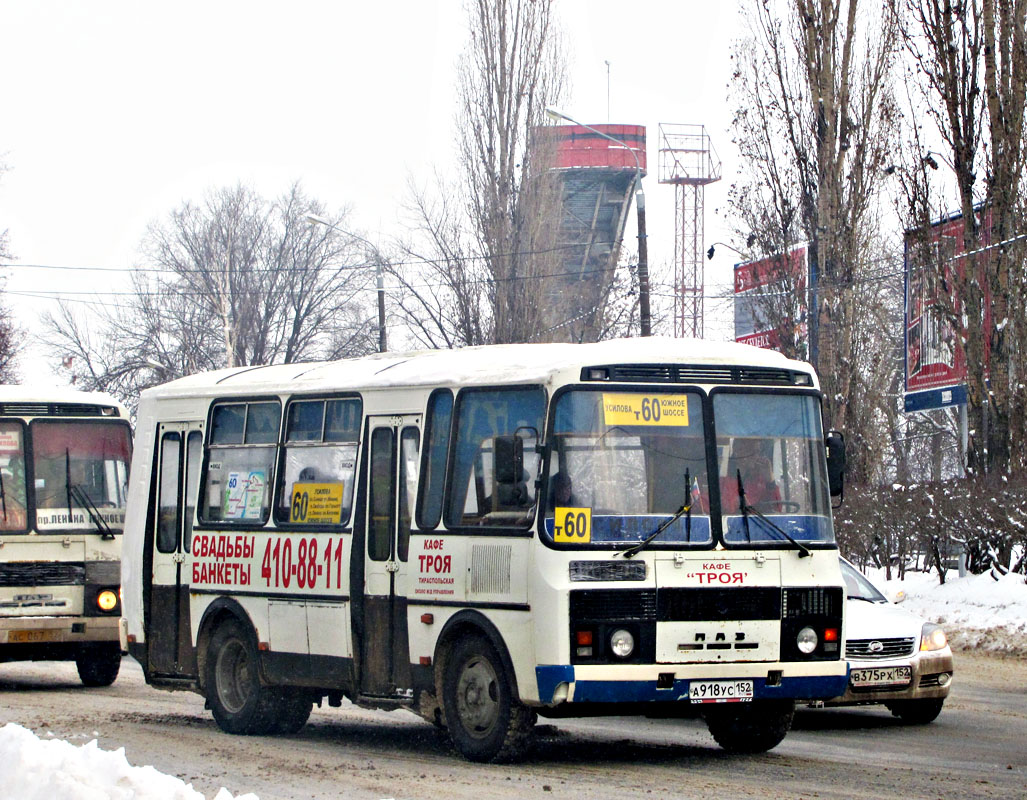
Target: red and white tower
x,y
688,161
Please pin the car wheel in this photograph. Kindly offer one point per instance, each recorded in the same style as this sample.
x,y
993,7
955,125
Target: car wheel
x,y
485,721
99,666
917,712
750,727
232,687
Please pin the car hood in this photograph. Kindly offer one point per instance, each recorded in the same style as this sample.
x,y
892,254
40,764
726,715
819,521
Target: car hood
x,y
865,620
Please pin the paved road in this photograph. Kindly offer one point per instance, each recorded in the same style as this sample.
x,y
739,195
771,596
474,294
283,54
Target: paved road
x,y
976,748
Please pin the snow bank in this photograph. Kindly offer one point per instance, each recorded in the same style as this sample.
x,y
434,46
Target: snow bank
x,y
37,769
977,612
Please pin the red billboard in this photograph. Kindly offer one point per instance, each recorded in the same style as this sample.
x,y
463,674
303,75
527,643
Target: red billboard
x,y
934,355
770,301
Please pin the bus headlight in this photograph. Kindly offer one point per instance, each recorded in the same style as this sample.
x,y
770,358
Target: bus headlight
x,y
806,641
107,600
622,643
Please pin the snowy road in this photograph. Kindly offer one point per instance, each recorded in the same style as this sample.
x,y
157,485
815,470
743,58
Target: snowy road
x,y
975,749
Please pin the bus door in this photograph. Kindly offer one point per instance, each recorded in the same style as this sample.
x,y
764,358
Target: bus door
x,y
179,454
385,651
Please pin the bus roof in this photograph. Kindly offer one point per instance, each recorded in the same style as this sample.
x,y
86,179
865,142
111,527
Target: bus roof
x,y
30,394
485,365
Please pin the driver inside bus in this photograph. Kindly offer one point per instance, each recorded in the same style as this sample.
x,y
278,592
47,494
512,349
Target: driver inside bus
x,y
757,478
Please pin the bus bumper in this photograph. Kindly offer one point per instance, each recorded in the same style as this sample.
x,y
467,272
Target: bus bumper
x,y
55,638
671,682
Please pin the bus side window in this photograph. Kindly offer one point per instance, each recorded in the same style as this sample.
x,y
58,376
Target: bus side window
x,y
315,483
243,444
477,496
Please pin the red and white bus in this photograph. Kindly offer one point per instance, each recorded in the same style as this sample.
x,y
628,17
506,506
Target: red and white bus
x,y
486,535
64,458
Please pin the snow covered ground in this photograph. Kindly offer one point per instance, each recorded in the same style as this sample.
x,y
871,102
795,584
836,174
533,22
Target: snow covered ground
x,y
977,612
52,769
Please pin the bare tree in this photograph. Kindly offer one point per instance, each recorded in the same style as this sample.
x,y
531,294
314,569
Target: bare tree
x,y
971,59
237,280
488,243
815,121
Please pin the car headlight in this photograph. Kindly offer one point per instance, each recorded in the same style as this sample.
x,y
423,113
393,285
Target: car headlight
x,y
622,643
806,641
932,637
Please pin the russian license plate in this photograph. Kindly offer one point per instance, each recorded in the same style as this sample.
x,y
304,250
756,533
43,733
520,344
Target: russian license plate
x,y
720,691
880,676
29,637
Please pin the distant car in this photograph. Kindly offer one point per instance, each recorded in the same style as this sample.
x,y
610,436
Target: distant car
x,y
895,657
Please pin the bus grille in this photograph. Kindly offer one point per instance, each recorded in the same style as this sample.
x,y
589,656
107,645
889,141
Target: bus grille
x,y
889,648
817,602
705,605
53,573
619,604
699,373
56,410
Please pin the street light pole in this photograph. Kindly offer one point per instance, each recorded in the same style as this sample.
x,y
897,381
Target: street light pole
x,y
644,315
314,219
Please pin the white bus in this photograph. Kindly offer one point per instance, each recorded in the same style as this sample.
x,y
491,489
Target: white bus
x,y
490,534
64,458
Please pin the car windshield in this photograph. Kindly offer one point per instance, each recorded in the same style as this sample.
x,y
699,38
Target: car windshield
x,y
623,463
770,452
857,587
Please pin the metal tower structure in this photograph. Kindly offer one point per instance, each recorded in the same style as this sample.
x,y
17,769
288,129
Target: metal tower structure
x,y
689,162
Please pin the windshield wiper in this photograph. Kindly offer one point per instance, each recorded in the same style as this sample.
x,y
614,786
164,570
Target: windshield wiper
x,y
686,509
3,494
83,499
746,509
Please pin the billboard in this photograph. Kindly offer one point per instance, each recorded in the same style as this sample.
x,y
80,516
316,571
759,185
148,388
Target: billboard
x,y
935,362
770,301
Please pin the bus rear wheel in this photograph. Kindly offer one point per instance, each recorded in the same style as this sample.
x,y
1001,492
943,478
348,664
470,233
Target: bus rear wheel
x,y
750,727
232,684
99,665
485,721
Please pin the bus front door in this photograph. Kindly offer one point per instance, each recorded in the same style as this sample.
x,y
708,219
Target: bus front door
x,y
179,453
385,651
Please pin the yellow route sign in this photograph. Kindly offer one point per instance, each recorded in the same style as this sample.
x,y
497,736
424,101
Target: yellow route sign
x,y
572,525
646,409
315,503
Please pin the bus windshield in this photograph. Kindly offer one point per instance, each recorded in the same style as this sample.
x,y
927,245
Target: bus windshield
x,y
624,463
80,472
770,450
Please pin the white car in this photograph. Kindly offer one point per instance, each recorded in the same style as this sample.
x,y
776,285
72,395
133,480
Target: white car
x,y
895,657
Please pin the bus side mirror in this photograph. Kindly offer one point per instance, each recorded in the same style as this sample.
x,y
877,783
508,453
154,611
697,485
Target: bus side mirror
x,y
835,462
509,458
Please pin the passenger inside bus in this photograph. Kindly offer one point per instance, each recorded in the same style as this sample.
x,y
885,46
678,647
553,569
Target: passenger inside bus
x,y
561,492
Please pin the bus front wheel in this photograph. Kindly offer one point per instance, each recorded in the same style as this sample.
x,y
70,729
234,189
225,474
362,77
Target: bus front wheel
x,y
750,727
99,666
232,684
485,721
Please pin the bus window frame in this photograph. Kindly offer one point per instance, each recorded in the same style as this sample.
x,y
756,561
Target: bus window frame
x,y
283,445
527,530
30,455
424,473
717,522
709,444
28,470
203,524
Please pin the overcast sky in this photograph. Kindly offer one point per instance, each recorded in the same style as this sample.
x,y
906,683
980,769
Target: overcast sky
x,y
113,113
